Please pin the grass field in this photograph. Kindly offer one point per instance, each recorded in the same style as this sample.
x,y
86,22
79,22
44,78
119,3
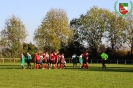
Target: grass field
x,y
115,76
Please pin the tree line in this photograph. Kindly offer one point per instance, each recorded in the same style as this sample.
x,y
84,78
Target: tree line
x,y
56,33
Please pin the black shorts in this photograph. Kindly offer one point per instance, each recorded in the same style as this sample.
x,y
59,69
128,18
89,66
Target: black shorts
x,y
85,62
103,62
37,62
47,60
28,62
44,61
51,62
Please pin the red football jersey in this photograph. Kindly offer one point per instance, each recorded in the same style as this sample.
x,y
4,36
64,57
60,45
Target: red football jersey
x,y
85,57
44,58
56,57
37,57
52,58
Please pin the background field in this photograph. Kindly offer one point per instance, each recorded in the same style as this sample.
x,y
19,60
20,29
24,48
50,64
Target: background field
x,y
115,76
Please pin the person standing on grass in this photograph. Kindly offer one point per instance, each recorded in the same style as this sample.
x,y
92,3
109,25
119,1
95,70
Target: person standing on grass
x,y
22,61
63,63
56,60
104,57
61,57
51,61
44,61
37,61
74,60
47,57
41,61
85,59
28,61
81,60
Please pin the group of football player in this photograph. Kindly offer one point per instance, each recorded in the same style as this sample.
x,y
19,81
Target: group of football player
x,y
83,60
54,60
50,60
44,61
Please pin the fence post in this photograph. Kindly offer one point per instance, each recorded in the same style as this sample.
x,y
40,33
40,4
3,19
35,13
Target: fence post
x,y
117,61
97,61
91,60
69,60
14,60
3,60
125,61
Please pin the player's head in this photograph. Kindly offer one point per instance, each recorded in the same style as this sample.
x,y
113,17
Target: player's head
x,y
21,54
55,53
51,54
36,54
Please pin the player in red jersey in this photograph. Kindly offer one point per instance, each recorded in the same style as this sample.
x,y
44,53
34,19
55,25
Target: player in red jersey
x,y
61,57
85,60
51,60
47,57
60,60
63,63
56,60
37,61
44,61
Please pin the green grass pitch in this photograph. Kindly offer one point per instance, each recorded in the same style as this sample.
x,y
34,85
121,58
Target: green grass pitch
x,y
115,76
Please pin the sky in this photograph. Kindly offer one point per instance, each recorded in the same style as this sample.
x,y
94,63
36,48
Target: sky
x,y
31,12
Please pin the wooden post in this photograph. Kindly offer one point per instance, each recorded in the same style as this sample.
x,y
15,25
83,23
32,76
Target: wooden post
x,y
3,60
125,61
117,61
14,60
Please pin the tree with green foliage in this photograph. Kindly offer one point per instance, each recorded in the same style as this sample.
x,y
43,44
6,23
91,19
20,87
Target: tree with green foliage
x,y
29,47
115,31
129,32
99,23
90,27
75,24
93,25
12,36
71,48
53,31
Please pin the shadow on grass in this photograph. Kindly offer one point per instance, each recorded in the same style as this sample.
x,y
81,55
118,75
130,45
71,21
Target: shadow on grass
x,y
91,68
108,69
10,66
